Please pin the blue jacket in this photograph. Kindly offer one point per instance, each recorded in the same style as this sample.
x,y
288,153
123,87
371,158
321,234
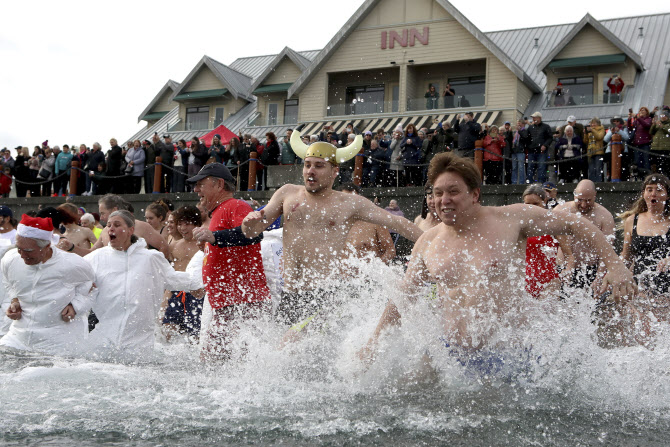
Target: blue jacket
x,y
63,162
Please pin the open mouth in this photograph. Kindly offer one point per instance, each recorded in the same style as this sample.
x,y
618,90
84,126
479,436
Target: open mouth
x,y
112,237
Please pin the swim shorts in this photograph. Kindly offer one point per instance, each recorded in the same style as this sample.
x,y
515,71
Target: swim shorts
x,y
184,310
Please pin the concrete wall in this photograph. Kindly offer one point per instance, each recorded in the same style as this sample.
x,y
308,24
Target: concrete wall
x,y
449,41
588,42
285,72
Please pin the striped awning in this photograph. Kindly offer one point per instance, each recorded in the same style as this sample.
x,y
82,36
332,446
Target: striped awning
x,y
390,123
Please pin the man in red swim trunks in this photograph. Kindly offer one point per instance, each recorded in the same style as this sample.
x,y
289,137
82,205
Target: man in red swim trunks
x,y
232,270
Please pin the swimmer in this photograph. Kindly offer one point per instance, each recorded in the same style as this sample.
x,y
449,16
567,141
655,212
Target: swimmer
x,y
474,256
587,266
317,221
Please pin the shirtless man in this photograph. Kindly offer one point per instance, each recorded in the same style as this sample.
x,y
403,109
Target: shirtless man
x,y
586,263
183,310
365,238
317,221
476,258
173,233
81,237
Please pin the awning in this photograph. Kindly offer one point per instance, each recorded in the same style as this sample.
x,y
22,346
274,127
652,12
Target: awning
x,y
390,123
154,116
605,59
273,88
201,94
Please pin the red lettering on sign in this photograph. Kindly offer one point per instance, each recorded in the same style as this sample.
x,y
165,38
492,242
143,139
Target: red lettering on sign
x,y
409,37
383,40
414,34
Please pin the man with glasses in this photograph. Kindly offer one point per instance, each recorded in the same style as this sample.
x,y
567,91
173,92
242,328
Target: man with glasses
x,y
584,262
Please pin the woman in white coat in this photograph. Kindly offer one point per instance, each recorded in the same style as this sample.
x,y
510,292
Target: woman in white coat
x,y
131,280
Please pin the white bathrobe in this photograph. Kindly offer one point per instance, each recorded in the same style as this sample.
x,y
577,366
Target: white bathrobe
x,y
5,301
44,290
130,290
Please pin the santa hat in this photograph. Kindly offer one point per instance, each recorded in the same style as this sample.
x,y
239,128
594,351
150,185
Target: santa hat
x,y
35,227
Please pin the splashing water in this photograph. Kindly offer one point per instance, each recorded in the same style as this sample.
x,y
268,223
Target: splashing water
x,y
562,388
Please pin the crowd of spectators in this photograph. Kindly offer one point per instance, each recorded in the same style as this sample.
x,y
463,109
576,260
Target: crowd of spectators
x,y
530,151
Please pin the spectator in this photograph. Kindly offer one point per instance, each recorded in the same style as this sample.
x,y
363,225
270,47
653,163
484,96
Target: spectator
x,y
260,176
22,171
618,127
493,149
520,141
167,155
449,94
558,95
287,155
46,173
432,98
245,151
377,160
217,150
94,159
367,153
347,168
62,172
270,156
114,159
595,135
638,128
6,182
197,156
344,136
34,165
150,163
135,158
231,154
508,134
7,159
569,153
395,166
660,146
100,183
394,209
615,85
468,132
540,137
411,154
180,164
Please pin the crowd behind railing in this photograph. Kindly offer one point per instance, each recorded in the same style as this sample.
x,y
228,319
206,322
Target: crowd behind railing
x,y
529,152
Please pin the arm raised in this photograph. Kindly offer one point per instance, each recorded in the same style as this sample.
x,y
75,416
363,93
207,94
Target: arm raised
x,y
367,211
257,221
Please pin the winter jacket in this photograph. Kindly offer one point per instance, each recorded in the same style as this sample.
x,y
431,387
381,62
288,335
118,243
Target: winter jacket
x,y
287,154
520,144
494,145
63,162
114,158
595,141
130,291
641,128
411,152
575,145
540,135
441,142
44,290
468,133
270,154
49,165
661,134
137,156
624,138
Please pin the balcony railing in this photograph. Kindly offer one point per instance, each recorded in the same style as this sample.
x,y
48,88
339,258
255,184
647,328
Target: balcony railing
x,y
569,100
362,108
183,126
454,102
261,120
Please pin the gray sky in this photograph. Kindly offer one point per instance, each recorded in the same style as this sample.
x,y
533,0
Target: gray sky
x,y
79,71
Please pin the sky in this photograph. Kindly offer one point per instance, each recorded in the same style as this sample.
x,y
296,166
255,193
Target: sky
x,y
78,72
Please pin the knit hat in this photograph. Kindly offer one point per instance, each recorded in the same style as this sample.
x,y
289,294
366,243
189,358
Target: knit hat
x,y
35,227
398,128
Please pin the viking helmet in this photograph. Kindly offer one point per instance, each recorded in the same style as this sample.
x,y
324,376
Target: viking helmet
x,y
324,150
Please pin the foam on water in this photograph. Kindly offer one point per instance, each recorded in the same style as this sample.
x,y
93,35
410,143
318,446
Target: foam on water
x,y
316,391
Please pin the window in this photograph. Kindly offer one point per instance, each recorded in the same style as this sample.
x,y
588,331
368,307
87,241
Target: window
x,y
291,111
218,119
272,114
197,118
470,91
577,90
395,94
364,99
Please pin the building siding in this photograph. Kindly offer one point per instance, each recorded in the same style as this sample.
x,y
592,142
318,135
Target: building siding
x,y
285,72
204,80
588,42
164,104
666,98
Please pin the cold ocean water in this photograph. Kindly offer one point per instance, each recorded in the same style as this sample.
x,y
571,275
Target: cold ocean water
x,y
555,387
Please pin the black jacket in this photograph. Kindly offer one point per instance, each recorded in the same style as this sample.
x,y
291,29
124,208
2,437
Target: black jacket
x,y
94,159
540,135
166,152
114,158
468,133
270,155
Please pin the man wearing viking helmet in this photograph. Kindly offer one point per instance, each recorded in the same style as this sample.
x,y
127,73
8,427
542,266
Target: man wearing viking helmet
x,y
317,220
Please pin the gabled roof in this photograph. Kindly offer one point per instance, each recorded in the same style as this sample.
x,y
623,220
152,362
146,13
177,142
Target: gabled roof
x,y
367,7
590,20
301,62
238,84
169,85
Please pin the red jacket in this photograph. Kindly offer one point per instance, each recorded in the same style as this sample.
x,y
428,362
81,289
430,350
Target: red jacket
x,y
5,184
491,145
615,88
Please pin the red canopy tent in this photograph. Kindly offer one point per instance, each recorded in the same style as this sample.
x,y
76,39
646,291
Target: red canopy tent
x,y
225,134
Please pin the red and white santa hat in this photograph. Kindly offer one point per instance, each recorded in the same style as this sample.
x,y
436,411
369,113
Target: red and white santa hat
x,y
35,227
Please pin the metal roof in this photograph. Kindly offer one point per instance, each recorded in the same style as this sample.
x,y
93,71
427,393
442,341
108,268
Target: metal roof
x,y
653,48
255,65
301,62
237,83
161,126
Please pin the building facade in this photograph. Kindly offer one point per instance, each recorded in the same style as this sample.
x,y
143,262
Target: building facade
x,y
378,70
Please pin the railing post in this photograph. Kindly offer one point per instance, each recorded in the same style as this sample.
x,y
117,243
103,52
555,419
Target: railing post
x,y
358,167
479,156
73,178
158,175
252,171
617,151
